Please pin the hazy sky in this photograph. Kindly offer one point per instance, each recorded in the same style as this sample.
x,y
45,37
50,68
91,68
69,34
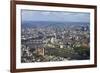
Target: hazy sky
x,y
33,15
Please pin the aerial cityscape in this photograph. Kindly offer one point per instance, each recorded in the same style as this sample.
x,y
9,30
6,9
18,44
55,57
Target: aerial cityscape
x,y
48,36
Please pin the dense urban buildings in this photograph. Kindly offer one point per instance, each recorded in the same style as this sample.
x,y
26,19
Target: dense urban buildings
x,y
44,41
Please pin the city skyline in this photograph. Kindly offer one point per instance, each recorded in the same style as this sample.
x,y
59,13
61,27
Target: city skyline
x,y
54,36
